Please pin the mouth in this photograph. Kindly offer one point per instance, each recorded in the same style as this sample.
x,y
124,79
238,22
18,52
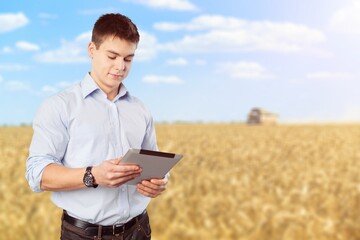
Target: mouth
x,y
116,76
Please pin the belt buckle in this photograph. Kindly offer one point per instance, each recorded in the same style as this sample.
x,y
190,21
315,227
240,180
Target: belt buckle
x,y
118,226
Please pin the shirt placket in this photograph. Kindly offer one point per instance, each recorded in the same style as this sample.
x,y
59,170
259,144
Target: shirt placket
x,y
118,139
115,129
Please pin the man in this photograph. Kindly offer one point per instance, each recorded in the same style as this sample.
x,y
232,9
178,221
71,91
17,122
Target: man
x,y
80,135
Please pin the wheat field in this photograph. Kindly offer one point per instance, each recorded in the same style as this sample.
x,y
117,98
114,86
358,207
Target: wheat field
x,y
293,182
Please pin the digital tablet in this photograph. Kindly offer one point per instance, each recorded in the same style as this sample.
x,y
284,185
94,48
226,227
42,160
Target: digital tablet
x,y
154,164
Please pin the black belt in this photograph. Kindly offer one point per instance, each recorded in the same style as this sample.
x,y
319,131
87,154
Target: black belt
x,y
93,229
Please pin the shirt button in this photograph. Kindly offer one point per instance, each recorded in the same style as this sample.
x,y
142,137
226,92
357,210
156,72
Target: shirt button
x,y
123,189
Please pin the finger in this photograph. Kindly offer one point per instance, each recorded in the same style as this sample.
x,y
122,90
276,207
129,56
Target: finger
x,y
115,161
144,192
128,168
148,184
159,181
122,180
147,192
119,175
150,187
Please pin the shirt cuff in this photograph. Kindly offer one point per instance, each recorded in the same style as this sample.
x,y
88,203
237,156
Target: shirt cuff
x,y
34,169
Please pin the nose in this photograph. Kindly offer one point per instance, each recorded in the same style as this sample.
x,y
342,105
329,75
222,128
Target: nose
x,y
120,65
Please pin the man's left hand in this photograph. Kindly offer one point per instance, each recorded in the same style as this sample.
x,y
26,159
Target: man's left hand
x,y
152,188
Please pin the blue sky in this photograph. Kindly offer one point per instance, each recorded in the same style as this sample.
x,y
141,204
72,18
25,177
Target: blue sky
x,y
197,60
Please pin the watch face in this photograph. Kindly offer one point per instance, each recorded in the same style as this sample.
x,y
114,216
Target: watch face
x,y
88,180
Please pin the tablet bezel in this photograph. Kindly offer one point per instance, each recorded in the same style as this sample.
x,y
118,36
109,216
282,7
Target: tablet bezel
x,y
154,164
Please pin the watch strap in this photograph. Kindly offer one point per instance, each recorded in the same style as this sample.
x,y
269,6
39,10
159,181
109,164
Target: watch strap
x,y
88,174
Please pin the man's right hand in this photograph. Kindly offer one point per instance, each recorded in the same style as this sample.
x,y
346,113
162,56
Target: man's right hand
x,y
112,174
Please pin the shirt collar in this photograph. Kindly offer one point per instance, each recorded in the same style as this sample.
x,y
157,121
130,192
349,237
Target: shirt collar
x,y
122,93
88,86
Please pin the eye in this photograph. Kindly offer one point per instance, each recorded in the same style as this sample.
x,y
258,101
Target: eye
x,y
111,57
128,59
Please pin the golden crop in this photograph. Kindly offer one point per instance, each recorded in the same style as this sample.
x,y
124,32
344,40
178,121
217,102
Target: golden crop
x,y
234,182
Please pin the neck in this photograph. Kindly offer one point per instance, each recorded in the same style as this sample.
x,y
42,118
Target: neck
x,y
110,91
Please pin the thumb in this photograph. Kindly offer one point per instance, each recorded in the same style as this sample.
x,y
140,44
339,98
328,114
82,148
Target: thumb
x,y
116,160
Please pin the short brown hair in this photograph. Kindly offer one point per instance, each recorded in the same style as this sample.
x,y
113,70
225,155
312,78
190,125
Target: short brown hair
x,y
114,24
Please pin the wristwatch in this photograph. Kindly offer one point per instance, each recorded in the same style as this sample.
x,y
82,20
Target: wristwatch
x,y
89,179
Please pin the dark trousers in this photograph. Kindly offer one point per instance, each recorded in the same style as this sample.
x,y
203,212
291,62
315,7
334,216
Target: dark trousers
x,y
139,231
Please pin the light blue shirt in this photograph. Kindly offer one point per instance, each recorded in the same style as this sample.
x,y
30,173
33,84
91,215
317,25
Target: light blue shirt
x,y
80,127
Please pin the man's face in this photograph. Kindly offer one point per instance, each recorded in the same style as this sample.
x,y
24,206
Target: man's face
x,y
111,63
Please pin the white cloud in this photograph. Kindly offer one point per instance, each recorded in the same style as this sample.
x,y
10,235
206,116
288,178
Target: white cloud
x,y
69,52
57,87
178,62
200,62
12,21
17,86
243,70
225,34
75,51
64,84
49,89
6,49
204,22
13,67
147,48
333,76
162,79
84,38
14,85
177,5
347,19
47,16
26,46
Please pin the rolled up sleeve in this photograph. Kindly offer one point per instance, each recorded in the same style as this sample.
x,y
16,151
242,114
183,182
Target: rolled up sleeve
x,y
49,140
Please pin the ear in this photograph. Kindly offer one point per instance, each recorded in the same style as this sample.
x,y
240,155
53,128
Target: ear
x,y
91,49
